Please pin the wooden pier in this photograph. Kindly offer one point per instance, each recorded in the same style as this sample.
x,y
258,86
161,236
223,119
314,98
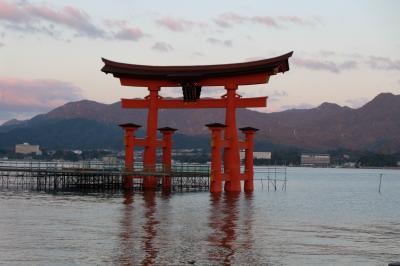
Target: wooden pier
x,y
68,176
89,175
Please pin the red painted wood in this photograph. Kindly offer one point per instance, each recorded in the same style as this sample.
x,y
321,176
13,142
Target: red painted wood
x,y
203,103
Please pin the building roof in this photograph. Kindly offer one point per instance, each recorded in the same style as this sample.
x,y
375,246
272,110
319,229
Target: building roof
x,y
171,129
248,129
129,125
215,125
269,66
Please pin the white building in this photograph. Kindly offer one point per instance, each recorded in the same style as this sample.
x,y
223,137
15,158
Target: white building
x,y
315,159
26,148
257,155
109,159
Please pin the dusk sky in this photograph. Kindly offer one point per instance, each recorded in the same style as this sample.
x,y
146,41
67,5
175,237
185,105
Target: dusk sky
x,y
345,52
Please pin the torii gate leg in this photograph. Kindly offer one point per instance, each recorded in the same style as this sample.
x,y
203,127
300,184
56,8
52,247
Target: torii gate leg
x,y
216,175
150,156
231,153
129,152
129,157
249,168
166,156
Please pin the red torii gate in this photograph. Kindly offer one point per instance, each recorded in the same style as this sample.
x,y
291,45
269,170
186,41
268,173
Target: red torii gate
x,y
191,79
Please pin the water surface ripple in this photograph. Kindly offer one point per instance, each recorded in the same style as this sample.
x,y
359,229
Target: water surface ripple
x,y
326,216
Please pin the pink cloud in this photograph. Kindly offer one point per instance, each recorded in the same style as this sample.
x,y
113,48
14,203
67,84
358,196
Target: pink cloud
x,y
175,24
67,16
265,20
12,12
30,17
300,21
227,20
35,95
132,34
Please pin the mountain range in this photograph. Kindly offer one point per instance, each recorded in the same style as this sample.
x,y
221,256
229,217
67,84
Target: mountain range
x,y
90,125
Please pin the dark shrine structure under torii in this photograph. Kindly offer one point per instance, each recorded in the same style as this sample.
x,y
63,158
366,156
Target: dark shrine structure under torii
x,y
192,79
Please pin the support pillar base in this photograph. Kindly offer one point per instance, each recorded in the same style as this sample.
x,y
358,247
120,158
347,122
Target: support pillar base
x,y
127,182
233,186
215,187
150,183
248,185
166,183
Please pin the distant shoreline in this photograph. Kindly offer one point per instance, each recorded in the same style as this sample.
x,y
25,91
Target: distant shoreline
x,y
365,167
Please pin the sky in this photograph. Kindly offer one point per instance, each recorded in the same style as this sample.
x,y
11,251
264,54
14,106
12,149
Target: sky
x,y
345,52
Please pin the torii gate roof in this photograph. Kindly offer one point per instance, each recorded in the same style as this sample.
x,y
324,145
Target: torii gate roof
x,y
268,66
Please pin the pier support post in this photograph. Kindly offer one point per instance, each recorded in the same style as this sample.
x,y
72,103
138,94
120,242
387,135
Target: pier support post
x,y
248,164
216,161
166,156
129,142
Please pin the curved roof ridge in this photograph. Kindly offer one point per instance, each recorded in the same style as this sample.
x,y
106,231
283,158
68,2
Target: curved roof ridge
x,y
270,65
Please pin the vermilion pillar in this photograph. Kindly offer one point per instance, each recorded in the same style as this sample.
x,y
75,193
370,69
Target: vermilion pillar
x,y
231,153
166,155
129,142
248,164
150,156
216,162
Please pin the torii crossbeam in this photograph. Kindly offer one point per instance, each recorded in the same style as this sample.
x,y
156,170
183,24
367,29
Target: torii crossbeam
x,y
192,79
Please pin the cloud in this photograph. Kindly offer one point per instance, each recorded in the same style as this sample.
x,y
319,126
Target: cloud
x,y
324,65
338,62
357,102
215,41
119,23
228,20
121,30
162,47
131,34
382,63
300,21
37,95
1,44
265,20
297,106
276,95
29,17
175,24
11,12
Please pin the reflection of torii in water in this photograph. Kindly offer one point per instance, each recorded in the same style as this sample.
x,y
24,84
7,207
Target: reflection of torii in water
x,y
224,220
192,79
128,239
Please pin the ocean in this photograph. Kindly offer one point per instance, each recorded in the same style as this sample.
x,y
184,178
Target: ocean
x,y
326,216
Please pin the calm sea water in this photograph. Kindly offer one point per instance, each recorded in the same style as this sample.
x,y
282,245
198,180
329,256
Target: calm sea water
x,y
326,216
